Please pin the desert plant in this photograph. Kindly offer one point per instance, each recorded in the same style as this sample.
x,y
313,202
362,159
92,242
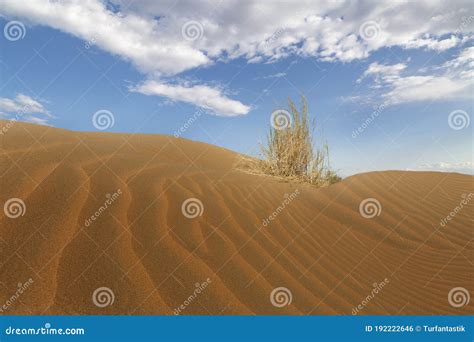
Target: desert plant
x,y
289,152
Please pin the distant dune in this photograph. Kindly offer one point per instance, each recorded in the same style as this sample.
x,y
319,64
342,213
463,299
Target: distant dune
x,y
113,224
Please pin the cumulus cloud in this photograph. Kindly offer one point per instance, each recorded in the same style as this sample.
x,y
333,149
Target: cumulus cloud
x,y
139,39
427,88
333,30
150,34
24,108
451,80
463,63
434,44
22,103
383,73
462,167
200,95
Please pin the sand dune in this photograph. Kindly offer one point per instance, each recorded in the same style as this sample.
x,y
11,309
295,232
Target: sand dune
x,y
149,258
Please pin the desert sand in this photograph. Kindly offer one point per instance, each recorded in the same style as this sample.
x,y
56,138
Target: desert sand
x,y
151,257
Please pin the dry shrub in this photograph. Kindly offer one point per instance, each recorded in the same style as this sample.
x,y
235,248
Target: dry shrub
x,y
289,152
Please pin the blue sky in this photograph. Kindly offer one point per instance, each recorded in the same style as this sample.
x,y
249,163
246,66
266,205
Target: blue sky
x,y
371,63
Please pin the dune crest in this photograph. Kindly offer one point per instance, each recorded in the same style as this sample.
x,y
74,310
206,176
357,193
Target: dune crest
x,y
149,224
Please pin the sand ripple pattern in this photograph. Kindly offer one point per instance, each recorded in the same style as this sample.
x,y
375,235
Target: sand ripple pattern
x,y
179,223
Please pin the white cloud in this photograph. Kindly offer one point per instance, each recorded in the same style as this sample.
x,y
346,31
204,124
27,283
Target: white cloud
x,y
139,39
427,88
199,95
277,75
36,120
24,108
385,70
271,76
255,60
462,167
433,44
449,81
149,33
22,103
382,72
464,59
148,44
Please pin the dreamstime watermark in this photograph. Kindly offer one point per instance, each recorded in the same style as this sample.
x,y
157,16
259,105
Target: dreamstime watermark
x,y
288,199
192,30
103,119
111,198
199,288
458,119
103,297
458,297
13,298
14,30
116,17
189,122
375,114
11,122
276,35
282,29
465,22
281,119
377,287
370,207
466,198
46,330
280,297
369,30
192,208
14,208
